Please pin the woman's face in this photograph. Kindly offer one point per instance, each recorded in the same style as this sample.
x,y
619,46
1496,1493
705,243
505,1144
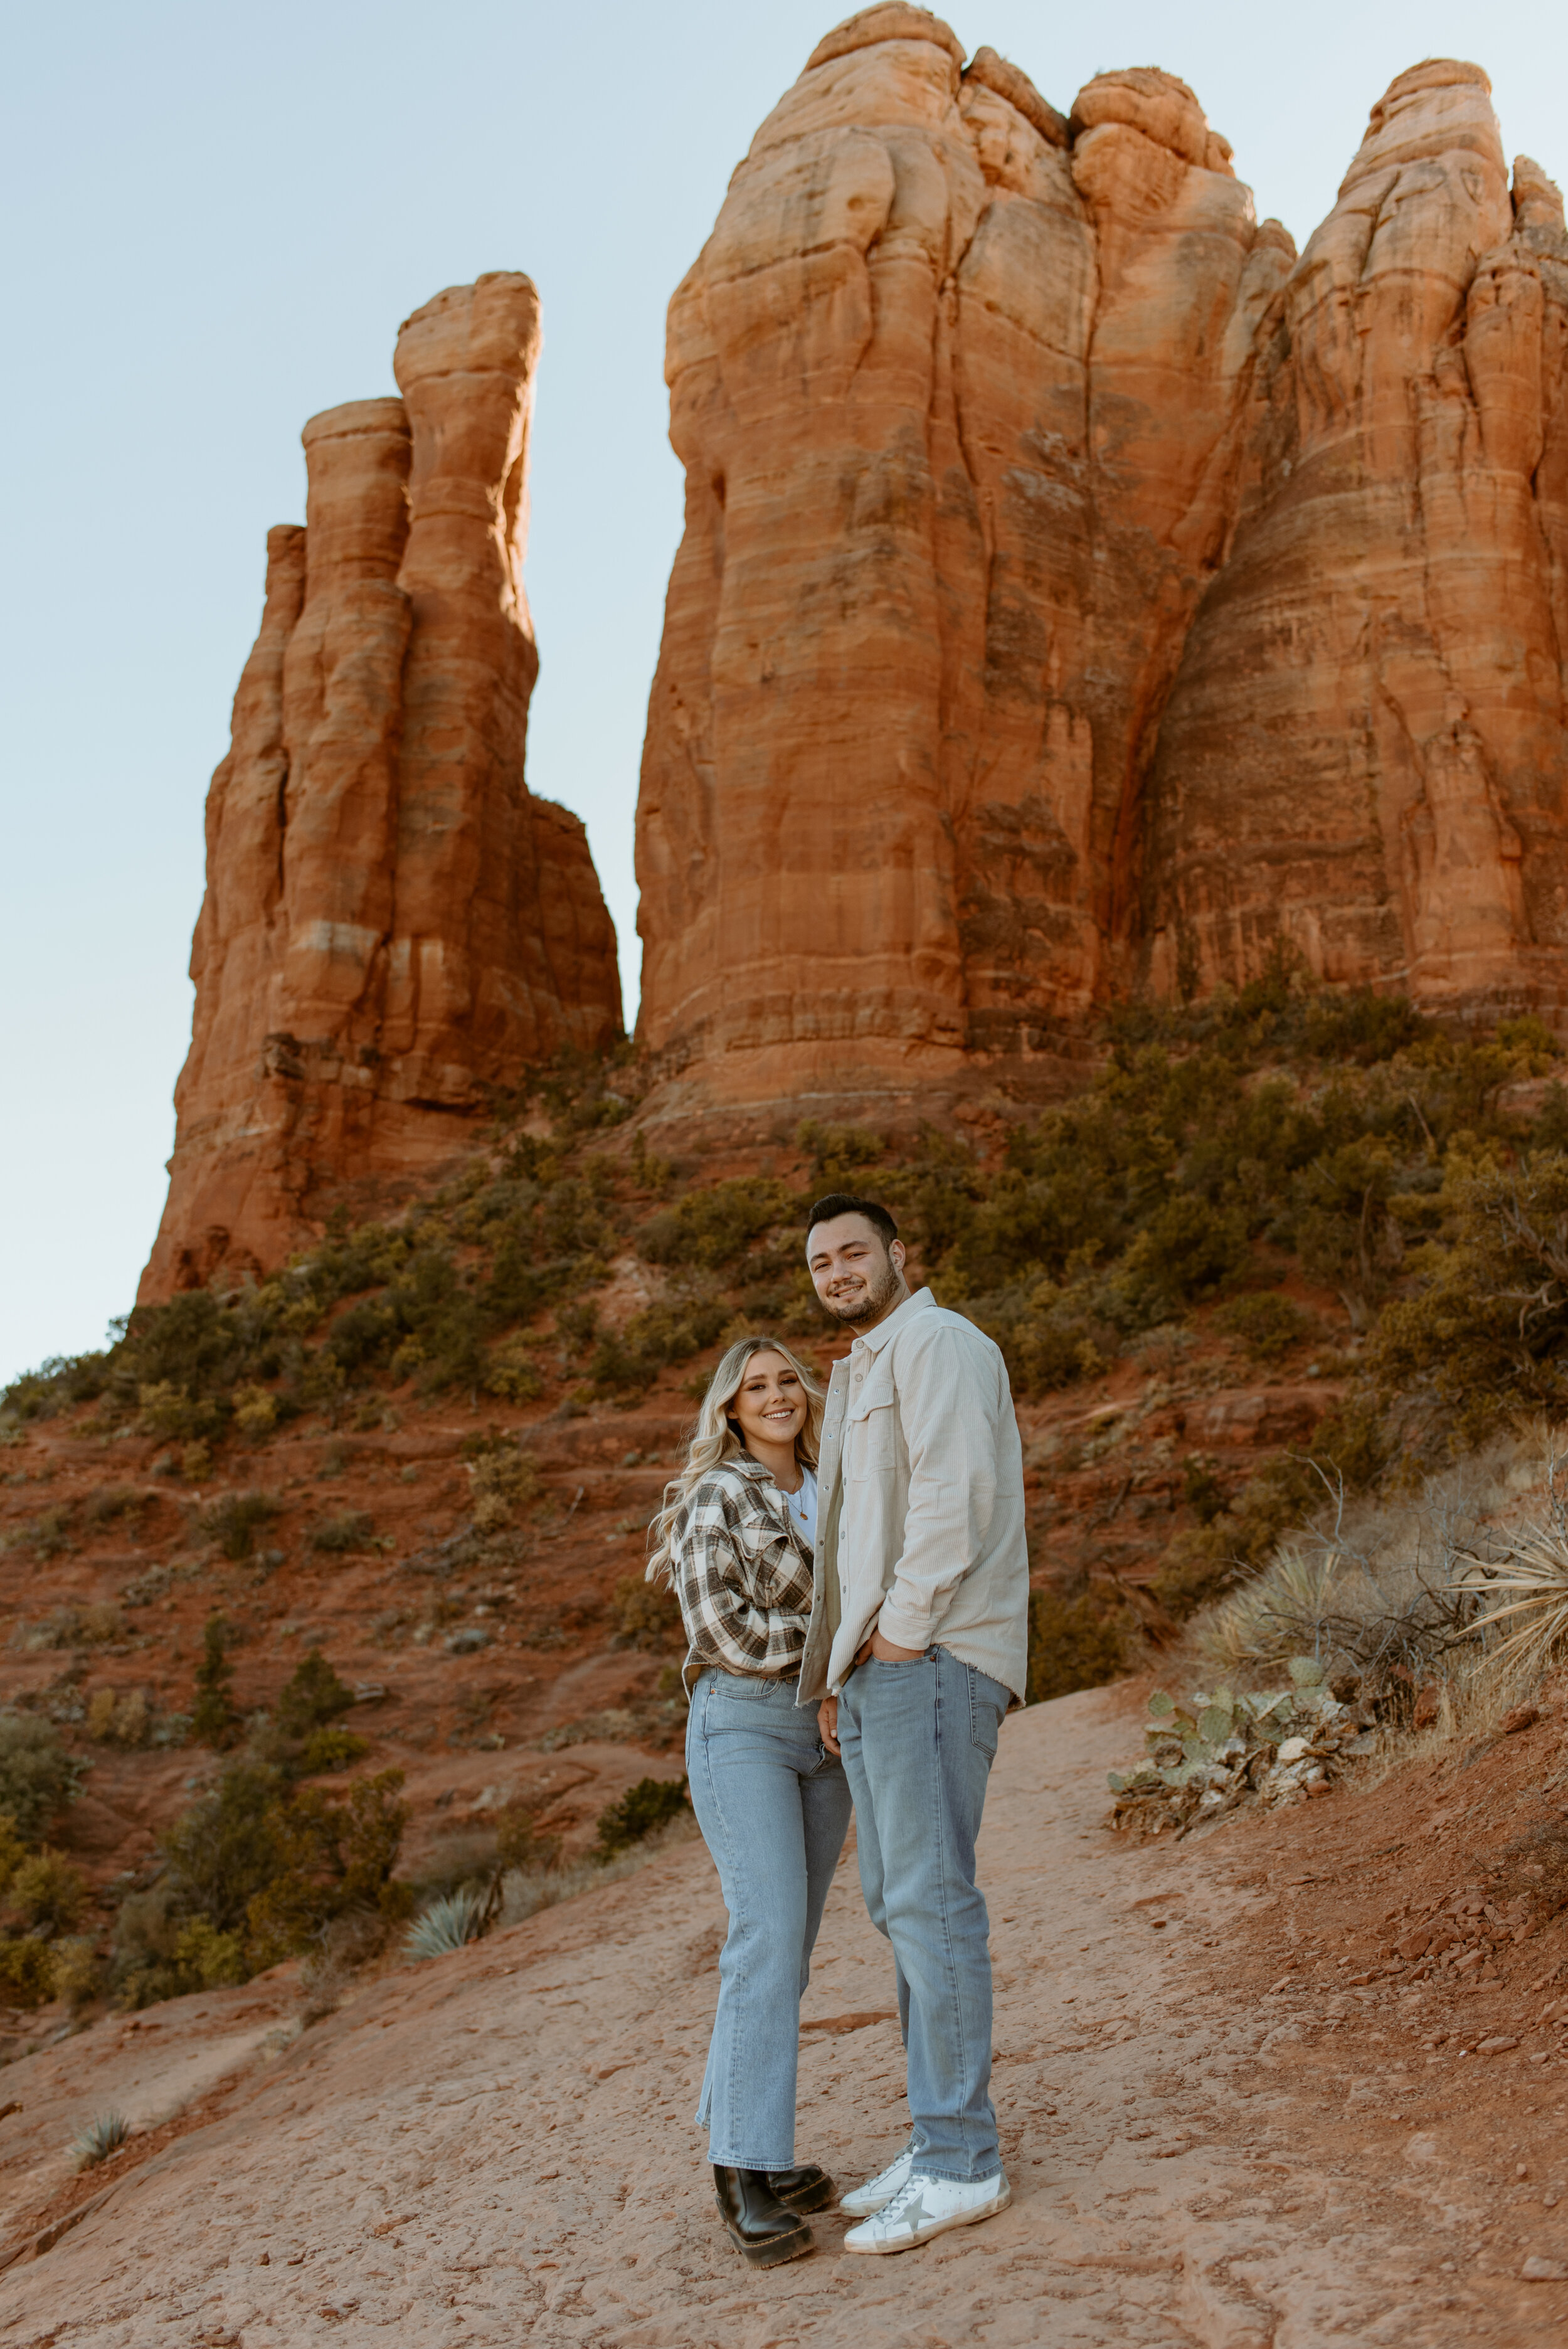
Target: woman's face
x,y
770,1404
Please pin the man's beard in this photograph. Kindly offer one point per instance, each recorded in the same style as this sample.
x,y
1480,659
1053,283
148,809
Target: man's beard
x,y
874,1303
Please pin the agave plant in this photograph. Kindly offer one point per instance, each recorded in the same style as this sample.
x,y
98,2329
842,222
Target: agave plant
x,y
97,2138
447,1924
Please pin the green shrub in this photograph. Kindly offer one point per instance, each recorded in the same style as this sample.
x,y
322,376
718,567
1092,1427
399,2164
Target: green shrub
x,y
1486,1331
228,1847
1076,1643
48,1892
13,1851
840,1154
78,1972
332,1749
336,1856
715,1227
214,1715
651,1803
55,1385
26,1971
645,1615
502,1481
37,1776
233,1522
669,1331
312,1699
1268,1326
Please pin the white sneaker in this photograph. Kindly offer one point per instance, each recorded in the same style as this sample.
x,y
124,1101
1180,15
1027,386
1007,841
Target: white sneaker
x,y
924,2207
878,2191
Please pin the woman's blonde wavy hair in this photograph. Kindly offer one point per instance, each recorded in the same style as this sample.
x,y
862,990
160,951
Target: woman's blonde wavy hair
x,y
715,1438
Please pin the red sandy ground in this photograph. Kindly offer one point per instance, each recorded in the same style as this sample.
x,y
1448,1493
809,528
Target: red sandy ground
x,y
1216,2133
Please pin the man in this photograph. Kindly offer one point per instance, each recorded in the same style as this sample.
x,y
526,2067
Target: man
x,y
917,1645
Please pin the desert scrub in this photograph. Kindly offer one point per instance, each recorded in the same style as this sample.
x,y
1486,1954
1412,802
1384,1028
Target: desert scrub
x,y
651,1803
1485,1331
312,1699
37,1776
1267,1326
26,1971
326,1750
1077,1642
46,1892
233,1522
719,1225
349,1531
266,1864
214,1715
157,1952
120,1719
671,1330
501,1481
645,1616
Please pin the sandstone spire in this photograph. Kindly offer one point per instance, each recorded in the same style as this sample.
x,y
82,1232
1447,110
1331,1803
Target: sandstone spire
x,y
393,925
1080,592
1365,751
959,386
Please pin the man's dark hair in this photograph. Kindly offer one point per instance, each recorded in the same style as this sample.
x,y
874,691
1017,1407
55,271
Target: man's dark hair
x,y
843,1203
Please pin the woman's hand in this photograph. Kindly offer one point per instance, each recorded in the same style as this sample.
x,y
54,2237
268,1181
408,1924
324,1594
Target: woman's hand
x,y
828,1723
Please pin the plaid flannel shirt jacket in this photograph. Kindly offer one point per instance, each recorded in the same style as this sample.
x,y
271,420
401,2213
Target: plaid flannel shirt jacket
x,y
742,1573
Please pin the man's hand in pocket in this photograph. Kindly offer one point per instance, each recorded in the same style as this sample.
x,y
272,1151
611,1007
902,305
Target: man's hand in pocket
x,y
886,1653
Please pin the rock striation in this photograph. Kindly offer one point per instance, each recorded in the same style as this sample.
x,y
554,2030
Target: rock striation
x,y
1079,591
1364,752
394,927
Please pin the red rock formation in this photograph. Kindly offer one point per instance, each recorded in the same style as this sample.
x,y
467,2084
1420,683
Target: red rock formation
x,y
993,422
393,925
1365,751
958,386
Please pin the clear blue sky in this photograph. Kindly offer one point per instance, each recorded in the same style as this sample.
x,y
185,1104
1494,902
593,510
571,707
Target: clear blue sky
x,y
217,217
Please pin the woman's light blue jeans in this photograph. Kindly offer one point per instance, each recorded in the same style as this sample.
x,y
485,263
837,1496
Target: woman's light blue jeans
x,y
918,1740
774,1808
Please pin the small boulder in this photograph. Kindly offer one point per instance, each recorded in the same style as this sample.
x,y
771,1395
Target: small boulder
x,y
1523,1716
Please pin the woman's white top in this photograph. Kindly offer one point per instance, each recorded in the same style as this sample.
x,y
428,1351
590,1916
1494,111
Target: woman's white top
x,y
802,1505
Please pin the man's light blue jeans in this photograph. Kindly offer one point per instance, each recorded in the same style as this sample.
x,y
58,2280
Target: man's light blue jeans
x,y
918,1741
774,1809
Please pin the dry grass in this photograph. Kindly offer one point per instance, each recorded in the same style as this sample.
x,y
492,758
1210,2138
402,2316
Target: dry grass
x,y
526,1894
1397,1595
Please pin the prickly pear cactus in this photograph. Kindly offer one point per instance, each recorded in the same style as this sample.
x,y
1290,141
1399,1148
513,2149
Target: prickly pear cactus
x,y
1205,1756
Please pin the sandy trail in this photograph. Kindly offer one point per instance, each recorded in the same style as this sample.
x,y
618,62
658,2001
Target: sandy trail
x,y
498,2147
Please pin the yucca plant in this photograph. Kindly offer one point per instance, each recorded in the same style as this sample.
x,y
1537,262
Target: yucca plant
x,y
97,2138
1532,1581
447,1924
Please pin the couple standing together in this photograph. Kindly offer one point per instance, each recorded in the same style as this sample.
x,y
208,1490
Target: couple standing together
x,y
853,1581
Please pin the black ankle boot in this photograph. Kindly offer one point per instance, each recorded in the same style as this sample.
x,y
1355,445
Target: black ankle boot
x,y
809,2189
763,2230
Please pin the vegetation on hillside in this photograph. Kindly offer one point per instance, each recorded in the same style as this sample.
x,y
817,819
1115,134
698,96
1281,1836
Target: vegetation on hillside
x,y
1282,1137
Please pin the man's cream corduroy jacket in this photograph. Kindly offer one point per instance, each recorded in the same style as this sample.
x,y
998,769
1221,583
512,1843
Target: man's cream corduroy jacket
x,y
919,1446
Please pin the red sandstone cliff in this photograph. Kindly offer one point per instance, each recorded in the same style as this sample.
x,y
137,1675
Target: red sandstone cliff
x,y
392,924
1365,750
1078,590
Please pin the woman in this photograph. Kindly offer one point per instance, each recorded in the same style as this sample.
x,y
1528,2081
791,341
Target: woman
x,y
734,1541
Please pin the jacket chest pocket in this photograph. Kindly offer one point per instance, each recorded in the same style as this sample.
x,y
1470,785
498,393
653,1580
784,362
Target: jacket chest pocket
x,y
868,1448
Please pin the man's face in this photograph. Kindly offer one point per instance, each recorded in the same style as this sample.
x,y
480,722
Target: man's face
x,y
856,1276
